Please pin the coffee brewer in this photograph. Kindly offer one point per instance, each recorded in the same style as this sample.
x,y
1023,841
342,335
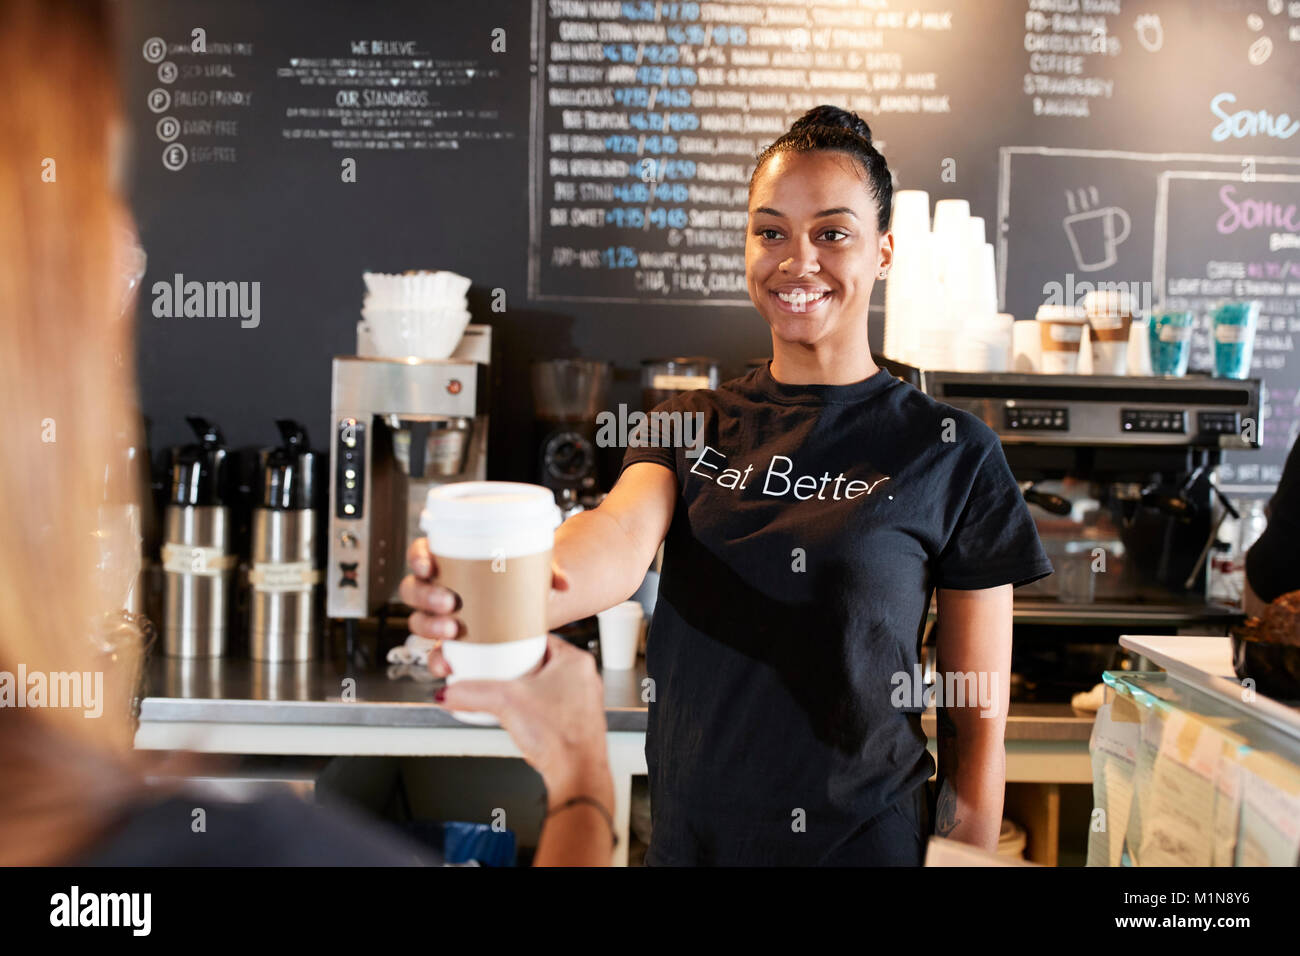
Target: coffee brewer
x,y
400,425
568,394
1119,472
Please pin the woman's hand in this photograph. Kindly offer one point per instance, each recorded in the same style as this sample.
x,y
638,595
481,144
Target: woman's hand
x,y
556,716
435,606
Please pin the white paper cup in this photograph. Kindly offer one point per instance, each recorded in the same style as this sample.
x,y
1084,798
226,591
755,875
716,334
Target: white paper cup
x,y
911,212
490,662
492,542
1026,346
620,635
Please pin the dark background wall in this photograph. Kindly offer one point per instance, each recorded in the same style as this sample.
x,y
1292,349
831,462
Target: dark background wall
x,y
264,201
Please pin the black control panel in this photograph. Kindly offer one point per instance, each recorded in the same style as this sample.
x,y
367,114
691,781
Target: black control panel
x,y
349,478
1020,418
1217,423
1165,421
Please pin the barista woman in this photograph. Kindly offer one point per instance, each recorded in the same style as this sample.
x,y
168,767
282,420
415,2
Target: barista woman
x,y
804,536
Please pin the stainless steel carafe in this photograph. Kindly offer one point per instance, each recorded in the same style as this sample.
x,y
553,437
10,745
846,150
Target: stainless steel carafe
x,y
197,559
283,577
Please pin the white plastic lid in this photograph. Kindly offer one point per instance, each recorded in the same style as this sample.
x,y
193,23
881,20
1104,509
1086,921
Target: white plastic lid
x,y
1061,313
481,520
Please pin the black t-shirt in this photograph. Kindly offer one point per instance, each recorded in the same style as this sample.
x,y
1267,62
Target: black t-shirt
x,y
810,531
1273,562
278,830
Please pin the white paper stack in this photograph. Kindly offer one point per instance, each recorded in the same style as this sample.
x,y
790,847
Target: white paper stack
x,y
911,293
941,301
413,315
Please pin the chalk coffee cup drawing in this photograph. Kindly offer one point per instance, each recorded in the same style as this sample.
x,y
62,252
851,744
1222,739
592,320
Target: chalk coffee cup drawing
x,y
1092,236
492,544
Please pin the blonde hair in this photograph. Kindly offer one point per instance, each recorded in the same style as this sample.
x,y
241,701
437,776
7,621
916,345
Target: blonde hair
x,y
66,387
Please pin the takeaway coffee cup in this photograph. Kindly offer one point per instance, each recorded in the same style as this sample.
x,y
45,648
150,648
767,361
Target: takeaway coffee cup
x,y
492,543
1061,329
1110,316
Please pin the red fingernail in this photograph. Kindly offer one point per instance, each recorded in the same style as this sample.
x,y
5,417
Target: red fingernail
x,y
441,693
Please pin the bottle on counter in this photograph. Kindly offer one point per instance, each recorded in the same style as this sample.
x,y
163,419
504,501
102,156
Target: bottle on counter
x,y
284,577
1252,525
197,559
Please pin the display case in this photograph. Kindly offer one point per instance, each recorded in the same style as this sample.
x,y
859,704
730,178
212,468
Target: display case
x,y
1190,772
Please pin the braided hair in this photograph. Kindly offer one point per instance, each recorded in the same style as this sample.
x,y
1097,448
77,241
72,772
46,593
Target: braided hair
x,y
831,128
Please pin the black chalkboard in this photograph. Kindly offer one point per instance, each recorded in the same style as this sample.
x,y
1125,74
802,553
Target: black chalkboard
x,y
1058,120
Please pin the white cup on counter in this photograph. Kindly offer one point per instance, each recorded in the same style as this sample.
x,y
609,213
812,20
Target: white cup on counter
x,y
1110,319
620,635
1026,346
1061,332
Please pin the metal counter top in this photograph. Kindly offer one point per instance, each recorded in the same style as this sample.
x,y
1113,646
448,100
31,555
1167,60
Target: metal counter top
x,y
240,691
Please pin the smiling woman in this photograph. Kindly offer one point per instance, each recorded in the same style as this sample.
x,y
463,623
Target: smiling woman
x,y
791,591
819,205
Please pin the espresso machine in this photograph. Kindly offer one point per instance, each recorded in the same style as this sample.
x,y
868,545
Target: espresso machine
x,y
399,426
1119,474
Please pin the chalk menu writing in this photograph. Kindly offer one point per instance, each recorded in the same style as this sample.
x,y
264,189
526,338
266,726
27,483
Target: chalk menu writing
x,y
200,95
648,117
1255,222
1069,44
390,95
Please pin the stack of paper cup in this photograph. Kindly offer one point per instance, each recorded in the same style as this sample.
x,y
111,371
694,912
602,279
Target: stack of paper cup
x,y
416,314
953,266
620,635
909,293
911,302
986,344
911,212
941,301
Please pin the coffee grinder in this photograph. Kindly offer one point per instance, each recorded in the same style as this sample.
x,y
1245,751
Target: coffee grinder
x,y
568,394
400,426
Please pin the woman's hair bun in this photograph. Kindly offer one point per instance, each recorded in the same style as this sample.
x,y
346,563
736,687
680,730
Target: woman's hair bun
x,y
833,129
834,117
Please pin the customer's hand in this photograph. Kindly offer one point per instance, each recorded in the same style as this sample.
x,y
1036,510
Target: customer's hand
x,y
556,716
435,606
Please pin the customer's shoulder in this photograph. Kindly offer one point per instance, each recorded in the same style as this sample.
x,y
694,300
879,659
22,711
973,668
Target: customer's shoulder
x,y
190,829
